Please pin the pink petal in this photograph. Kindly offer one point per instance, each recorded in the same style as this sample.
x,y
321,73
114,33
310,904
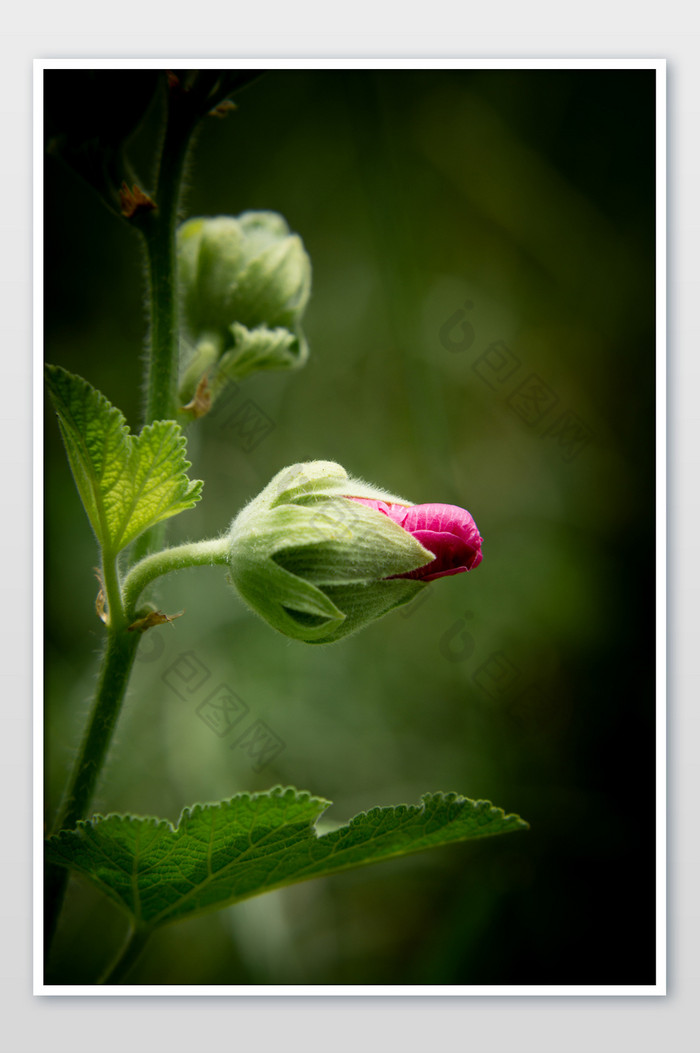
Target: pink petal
x,y
448,531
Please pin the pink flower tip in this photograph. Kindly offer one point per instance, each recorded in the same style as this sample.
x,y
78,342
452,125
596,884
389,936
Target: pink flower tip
x,y
449,532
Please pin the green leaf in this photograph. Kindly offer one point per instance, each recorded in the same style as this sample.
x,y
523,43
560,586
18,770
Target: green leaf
x,y
219,854
126,483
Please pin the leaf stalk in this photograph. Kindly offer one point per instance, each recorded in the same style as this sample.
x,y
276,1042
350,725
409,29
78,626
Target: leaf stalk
x,y
191,554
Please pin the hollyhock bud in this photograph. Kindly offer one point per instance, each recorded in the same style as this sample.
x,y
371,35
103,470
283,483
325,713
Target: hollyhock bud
x,y
318,554
245,283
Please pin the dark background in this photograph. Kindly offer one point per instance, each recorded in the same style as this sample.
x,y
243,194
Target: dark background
x,y
528,195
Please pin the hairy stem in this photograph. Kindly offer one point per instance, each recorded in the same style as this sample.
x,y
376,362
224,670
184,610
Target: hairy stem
x,y
117,662
192,554
158,230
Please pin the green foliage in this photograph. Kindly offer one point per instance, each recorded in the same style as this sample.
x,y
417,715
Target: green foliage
x,y
127,483
219,854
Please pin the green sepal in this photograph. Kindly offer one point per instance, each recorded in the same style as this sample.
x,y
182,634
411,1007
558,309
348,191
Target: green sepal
x,y
258,350
312,481
274,288
209,252
363,603
341,542
289,604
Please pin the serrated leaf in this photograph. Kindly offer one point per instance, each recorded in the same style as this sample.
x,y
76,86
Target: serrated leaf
x,y
127,483
219,854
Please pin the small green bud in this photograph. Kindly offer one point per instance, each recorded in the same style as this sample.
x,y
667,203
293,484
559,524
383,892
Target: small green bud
x,y
316,564
245,283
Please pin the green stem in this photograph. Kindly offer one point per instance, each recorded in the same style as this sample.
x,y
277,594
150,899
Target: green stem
x,y
192,554
126,958
158,230
117,663
187,105
112,591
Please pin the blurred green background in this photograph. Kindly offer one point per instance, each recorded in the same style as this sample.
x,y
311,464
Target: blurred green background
x,y
482,333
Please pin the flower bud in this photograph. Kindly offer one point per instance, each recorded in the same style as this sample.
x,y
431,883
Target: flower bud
x,y
245,283
318,554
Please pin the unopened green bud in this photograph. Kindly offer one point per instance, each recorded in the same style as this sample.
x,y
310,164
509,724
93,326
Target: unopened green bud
x,y
245,282
316,564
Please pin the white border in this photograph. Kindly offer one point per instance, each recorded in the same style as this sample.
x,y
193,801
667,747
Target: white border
x,y
661,533
661,528
38,527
